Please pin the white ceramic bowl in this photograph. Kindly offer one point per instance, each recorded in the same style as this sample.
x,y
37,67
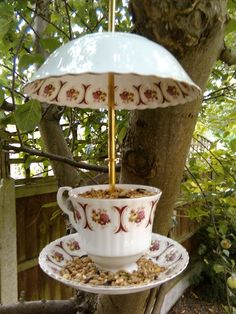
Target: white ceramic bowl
x,y
146,74
114,232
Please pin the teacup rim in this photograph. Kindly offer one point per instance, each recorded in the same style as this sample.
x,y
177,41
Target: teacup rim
x,y
74,191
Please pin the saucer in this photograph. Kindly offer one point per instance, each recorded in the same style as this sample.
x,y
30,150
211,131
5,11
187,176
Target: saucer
x,y
163,251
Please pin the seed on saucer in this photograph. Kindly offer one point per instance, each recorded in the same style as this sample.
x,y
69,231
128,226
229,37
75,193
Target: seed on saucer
x,y
83,270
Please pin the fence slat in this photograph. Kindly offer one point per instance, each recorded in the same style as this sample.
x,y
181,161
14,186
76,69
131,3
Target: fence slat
x,y
8,256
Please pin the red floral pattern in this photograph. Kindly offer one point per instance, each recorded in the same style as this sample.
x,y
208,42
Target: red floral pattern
x,y
72,94
155,245
173,91
127,97
138,95
171,256
101,217
136,216
151,95
99,96
73,245
57,256
48,90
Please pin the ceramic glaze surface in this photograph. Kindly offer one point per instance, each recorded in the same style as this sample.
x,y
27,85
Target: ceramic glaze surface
x,y
163,251
146,74
118,228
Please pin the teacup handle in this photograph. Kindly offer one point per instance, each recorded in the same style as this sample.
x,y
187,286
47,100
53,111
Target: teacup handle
x,y
64,204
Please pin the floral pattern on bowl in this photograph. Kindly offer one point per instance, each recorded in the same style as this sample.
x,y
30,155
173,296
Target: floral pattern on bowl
x,y
88,92
163,251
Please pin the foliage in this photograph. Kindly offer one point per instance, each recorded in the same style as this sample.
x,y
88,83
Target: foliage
x,y
19,58
211,182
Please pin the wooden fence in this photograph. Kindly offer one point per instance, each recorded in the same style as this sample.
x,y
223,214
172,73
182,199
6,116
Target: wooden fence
x,y
36,227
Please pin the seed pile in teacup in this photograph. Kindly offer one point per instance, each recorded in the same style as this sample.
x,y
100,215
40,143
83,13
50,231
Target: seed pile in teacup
x,y
84,271
117,193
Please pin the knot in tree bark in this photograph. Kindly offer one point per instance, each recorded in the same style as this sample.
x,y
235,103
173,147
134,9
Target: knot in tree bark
x,y
177,25
140,163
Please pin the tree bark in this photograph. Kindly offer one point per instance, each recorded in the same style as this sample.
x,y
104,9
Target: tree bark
x,y
55,143
158,141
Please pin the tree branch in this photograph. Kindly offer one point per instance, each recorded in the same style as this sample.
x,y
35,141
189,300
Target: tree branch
x,y
36,152
51,23
224,89
216,158
228,56
205,159
15,57
28,23
68,18
9,69
198,184
39,307
15,91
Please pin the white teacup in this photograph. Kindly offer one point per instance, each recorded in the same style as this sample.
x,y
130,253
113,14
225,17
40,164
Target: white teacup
x,y
114,232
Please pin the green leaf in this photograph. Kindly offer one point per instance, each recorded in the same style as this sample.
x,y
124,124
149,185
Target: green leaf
x,y
27,59
231,26
232,145
50,44
226,252
202,249
231,5
28,162
49,205
55,214
218,268
2,117
1,96
28,115
122,134
6,119
223,228
6,18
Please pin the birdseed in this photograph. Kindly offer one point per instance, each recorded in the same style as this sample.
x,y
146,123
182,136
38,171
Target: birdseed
x,y
83,270
116,193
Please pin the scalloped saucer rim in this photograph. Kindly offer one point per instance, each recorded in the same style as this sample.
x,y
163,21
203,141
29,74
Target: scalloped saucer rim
x,y
163,251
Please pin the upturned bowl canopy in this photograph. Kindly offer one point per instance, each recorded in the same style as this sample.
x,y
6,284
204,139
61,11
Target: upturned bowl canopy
x,y
146,75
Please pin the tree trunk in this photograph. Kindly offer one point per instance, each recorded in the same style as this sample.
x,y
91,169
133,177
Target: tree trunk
x,y
55,143
158,141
